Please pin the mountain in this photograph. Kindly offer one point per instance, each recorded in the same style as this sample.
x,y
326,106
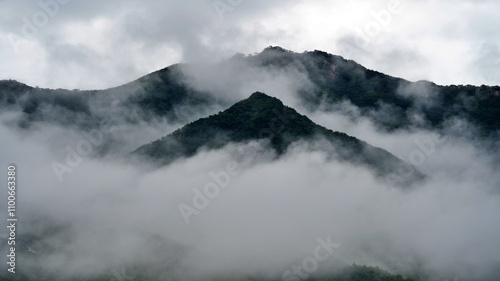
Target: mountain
x,y
390,103
161,94
265,118
336,79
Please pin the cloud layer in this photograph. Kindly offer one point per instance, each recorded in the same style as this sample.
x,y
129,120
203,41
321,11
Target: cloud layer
x,y
269,214
98,45
108,213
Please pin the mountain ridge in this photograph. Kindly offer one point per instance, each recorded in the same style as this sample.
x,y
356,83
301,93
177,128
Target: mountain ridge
x,y
262,117
391,103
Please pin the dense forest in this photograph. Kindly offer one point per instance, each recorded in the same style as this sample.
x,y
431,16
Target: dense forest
x,y
261,117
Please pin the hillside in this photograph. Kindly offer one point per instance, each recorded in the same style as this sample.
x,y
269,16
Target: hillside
x,y
390,103
261,117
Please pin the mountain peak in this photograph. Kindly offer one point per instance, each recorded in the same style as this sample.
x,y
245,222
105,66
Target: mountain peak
x,y
262,117
276,49
259,100
11,85
259,95
258,117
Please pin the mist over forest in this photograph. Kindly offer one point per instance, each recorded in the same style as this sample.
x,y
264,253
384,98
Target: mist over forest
x,y
90,204
269,165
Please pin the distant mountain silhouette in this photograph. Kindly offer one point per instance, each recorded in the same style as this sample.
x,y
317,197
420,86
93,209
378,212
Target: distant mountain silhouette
x,y
261,117
390,103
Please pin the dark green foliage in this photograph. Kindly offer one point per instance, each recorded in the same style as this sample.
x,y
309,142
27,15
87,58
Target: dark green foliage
x,y
363,273
62,107
349,273
261,117
336,79
161,92
258,117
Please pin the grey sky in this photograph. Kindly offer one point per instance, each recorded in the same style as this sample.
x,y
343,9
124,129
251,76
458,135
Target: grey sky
x,y
277,209
99,44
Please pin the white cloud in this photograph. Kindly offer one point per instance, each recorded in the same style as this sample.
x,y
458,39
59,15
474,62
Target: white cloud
x,y
270,214
102,44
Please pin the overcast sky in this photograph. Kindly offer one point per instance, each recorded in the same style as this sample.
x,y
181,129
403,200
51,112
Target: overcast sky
x,y
98,44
